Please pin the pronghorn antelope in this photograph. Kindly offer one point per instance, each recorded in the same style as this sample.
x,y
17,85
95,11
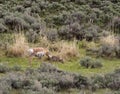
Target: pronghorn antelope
x,y
56,59
38,52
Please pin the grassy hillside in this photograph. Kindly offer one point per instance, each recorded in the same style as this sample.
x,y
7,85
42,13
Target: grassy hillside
x,y
39,14
83,36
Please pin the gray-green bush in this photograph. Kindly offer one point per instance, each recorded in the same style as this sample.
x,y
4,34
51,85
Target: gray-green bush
x,y
88,62
110,80
47,79
3,68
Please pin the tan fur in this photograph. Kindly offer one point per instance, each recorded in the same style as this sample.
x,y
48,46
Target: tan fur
x,y
39,49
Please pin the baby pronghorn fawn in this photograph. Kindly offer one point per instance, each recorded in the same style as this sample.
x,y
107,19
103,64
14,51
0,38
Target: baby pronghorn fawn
x,y
56,59
38,52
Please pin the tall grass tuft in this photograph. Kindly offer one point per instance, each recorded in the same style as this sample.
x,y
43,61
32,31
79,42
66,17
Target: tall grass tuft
x,y
110,40
63,49
67,50
19,47
44,42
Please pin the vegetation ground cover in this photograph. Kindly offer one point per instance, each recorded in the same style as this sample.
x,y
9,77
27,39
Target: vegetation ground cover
x,y
70,66
84,33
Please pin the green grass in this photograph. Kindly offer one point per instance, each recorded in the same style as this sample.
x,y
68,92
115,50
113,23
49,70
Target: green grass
x,y
23,62
71,66
108,66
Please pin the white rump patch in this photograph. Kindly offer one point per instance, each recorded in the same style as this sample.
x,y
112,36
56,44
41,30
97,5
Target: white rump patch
x,y
30,51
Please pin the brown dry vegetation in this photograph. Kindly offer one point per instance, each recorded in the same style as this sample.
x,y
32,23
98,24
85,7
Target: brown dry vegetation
x,y
110,40
19,47
65,50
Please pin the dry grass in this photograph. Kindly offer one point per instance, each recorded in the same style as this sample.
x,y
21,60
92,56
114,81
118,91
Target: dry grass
x,y
19,47
43,42
66,50
86,44
109,40
63,49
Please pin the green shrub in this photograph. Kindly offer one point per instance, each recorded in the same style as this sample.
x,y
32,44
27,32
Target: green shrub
x,y
44,79
81,81
107,51
52,35
2,2
46,67
113,81
98,81
32,36
110,80
117,71
3,68
16,68
96,64
36,26
3,28
88,62
92,33
35,8
76,17
71,31
29,71
41,91
4,87
117,51
51,77
66,81
16,23
117,92
27,3
18,80
109,48
5,40
55,6
29,19
58,20
19,8
81,11
75,30
81,2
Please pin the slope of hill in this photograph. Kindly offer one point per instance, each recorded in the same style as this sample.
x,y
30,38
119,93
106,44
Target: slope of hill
x,y
83,34
59,16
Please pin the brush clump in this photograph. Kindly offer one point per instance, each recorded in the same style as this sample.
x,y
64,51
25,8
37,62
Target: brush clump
x,y
19,47
66,50
110,40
